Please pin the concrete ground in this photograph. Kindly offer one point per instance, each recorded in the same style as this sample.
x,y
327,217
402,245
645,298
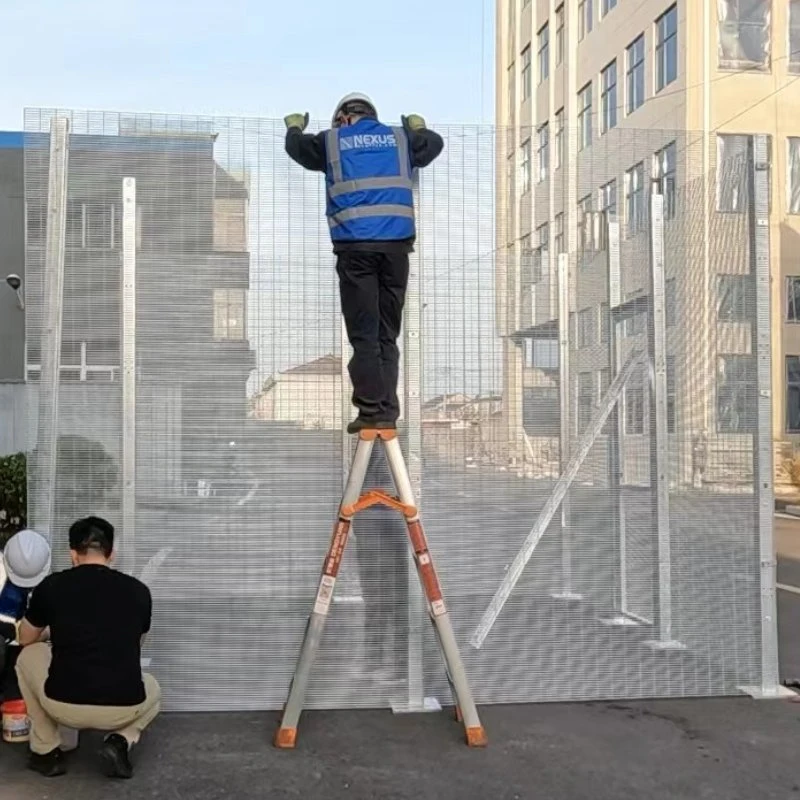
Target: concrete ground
x,y
729,749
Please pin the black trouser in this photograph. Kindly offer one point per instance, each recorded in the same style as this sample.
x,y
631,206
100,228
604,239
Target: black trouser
x,y
373,291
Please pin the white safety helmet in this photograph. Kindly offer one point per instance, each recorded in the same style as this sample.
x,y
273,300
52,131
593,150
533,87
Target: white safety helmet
x,y
355,99
26,558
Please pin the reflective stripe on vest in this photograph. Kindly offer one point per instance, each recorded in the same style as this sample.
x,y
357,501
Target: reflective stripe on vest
x,y
341,186
361,212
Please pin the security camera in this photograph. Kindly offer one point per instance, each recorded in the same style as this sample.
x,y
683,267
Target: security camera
x,y
14,281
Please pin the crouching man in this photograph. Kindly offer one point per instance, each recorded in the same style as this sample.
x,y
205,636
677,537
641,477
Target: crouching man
x,y
89,675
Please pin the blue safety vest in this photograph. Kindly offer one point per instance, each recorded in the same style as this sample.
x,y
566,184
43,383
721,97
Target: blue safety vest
x,y
368,181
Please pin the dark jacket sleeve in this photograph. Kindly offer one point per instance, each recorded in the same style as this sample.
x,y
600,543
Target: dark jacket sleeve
x,y
307,149
426,145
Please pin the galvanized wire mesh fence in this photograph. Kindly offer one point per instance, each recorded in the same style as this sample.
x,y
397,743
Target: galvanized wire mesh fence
x,y
201,399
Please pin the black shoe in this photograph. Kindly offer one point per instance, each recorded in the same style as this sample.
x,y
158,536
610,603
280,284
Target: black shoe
x,y
362,424
114,753
51,764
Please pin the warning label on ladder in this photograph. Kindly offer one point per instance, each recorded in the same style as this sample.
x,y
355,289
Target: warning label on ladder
x,y
324,594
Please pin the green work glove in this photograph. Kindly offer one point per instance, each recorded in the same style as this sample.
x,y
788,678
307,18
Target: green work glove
x,y
296,121
413,122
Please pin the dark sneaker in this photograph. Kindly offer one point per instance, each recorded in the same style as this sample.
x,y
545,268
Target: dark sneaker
x,y
361,424
51,764
114,753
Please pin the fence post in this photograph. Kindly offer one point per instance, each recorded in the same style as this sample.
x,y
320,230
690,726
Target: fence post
x,y
615,438
128,333
412,389
43,505
758,229
566,592
659,432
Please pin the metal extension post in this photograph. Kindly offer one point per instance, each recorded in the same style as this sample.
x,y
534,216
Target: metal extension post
x,y
758,199
352,502
659,438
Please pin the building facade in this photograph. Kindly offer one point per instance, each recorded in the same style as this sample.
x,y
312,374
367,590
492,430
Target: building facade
x,y
191,231
12,257
596,99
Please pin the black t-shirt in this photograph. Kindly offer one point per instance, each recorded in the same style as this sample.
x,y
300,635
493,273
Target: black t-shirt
x,y
97,617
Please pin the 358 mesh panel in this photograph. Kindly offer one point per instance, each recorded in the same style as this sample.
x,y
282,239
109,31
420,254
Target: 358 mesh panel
x,y
201,337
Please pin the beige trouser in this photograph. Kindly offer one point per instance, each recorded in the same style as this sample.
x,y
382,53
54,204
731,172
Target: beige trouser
x,y
45,714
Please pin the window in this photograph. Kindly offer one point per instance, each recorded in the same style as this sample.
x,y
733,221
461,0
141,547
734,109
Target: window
x,y
670,394
605,323
541,353
608,199
525,260
75,233
558,238
744,33
732,173
793,298
229,314
633,397
634,74
585,400
585,225
35,224
585,117
526,73
736,394
794,35
635,323
542,152
511,89
586,327
510,177
560,138
525,167
102,226
734,293
793,174
666,48
608,97
540,254
560,34
793,394
606,6
664,171
635,212
543,43
584,18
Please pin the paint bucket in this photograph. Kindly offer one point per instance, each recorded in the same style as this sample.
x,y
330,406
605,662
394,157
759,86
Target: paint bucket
x,y
16,726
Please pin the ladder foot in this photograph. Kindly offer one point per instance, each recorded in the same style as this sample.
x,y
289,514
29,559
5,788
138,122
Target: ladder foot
x,y
285,738
476,736
458,715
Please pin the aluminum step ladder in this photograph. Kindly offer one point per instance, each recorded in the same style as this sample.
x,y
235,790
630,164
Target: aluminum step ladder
x,y
352,502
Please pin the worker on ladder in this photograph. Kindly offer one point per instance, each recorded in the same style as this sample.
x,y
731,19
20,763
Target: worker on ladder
x,y
370,209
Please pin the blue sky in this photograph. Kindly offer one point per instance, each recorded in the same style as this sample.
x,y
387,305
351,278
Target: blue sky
x,y
242,57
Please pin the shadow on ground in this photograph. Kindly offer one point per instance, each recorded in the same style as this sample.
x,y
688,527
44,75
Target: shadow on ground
x,y
731,749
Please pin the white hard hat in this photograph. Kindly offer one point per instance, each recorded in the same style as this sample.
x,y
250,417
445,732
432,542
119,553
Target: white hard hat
x,y
26,558
353,97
